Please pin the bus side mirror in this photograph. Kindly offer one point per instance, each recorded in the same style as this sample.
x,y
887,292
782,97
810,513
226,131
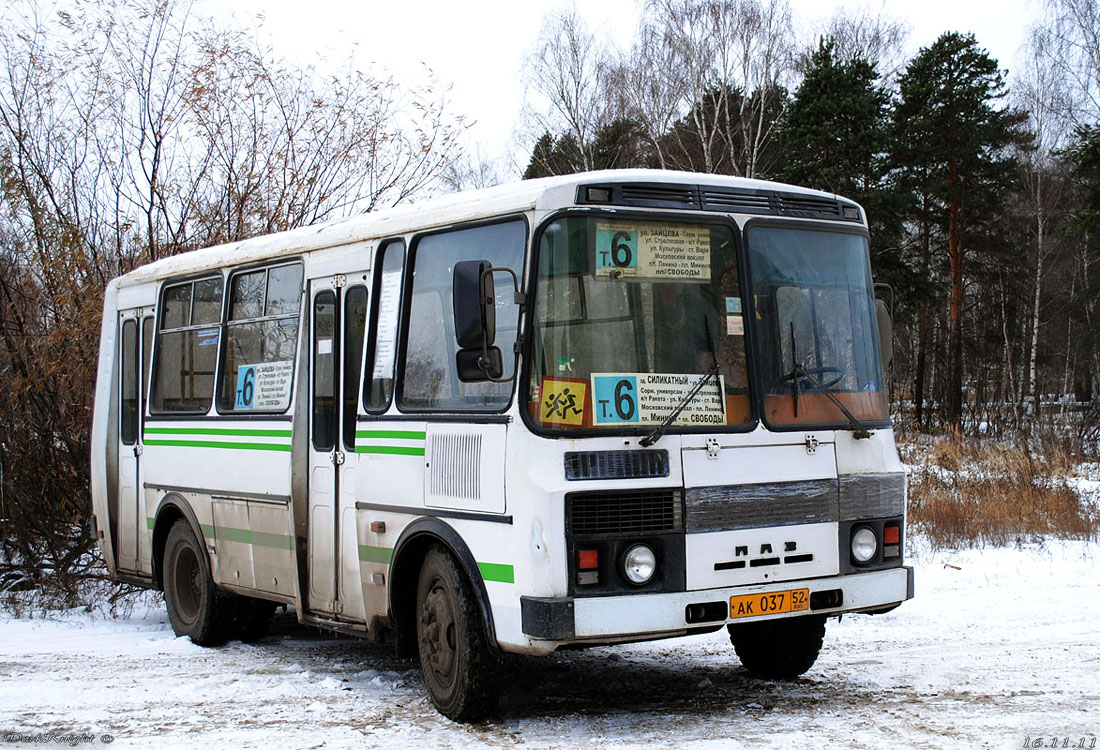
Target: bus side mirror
x,y
885,333
475,311
473,365
474,304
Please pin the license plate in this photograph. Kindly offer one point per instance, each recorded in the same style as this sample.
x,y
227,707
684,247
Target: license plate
x,y
777,602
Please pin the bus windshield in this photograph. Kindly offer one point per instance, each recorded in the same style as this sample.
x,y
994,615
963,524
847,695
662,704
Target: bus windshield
x,y
816,325
630,316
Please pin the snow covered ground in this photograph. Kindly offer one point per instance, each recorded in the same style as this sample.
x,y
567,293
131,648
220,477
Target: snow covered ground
x,y
1000,648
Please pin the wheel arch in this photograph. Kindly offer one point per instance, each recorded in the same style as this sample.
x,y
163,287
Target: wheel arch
x,y
172,508
408,555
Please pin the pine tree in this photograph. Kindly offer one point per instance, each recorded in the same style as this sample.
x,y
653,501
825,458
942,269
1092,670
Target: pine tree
x,y
834,132
951,147
554,156
1084,159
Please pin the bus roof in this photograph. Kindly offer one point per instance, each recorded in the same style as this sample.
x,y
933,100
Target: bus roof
x,y
543,193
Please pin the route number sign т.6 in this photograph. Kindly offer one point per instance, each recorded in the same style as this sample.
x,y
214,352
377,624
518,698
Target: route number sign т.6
x,y
648,398
655,252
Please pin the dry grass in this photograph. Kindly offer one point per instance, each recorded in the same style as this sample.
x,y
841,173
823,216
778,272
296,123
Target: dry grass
x,y
965,492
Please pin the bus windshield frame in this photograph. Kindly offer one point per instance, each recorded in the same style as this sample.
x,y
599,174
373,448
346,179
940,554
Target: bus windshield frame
x,y
604,383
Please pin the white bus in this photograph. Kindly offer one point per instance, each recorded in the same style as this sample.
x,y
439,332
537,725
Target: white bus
x,y
584,410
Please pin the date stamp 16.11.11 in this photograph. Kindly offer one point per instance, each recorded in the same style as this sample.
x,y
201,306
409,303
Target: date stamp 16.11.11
x,y
1065,742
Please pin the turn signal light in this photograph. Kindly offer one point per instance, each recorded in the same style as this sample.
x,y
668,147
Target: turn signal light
x,y
588,567
891,535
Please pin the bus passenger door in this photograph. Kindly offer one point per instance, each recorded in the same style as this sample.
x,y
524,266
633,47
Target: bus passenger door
x,y
133,369
338,319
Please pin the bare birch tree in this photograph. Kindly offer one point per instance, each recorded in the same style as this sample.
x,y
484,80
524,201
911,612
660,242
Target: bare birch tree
x,y
1069,38
1041,92
647,85
568,70
875,37
731,59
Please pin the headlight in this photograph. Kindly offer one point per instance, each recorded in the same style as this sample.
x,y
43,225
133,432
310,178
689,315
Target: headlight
x,y
639,564
864,544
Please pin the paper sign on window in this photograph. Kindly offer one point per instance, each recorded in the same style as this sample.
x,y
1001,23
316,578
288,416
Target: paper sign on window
x,y
661,252
648,399
388,298
264,386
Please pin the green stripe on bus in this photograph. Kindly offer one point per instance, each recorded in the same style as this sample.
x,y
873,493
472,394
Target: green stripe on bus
x,y
283,447
497,572
392,434
150,522
229,534
207,530
489,571
275,541
394,450
245,536
233,431
375,554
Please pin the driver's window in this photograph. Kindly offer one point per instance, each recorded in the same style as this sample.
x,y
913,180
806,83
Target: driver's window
x,y
430,379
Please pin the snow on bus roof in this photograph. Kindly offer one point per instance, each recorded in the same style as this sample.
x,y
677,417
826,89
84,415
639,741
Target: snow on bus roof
x,y
542,193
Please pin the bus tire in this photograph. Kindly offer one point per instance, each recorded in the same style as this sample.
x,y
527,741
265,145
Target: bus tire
x,y
779,649
459,669
192,602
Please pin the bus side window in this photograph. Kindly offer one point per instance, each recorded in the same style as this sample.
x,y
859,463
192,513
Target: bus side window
x,y
261,340
324,357
355,329
187,347
129,424
146,358
382,347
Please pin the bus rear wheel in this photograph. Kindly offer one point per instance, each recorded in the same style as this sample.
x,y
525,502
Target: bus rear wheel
x,y
189,595
779,649
459,669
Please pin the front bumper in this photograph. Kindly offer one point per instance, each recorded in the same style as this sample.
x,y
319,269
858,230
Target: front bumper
x,y
642,616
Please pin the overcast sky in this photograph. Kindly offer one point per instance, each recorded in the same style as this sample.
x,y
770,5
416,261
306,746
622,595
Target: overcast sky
x,y
478,46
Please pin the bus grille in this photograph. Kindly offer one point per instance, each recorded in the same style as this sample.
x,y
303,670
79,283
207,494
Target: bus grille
x,y
718,198
455,466
581,465
641,512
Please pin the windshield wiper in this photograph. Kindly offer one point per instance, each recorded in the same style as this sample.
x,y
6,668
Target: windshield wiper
x,y
859,430
654,436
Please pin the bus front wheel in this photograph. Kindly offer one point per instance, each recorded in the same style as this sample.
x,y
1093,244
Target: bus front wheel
x,y
779,649
459,669
189,594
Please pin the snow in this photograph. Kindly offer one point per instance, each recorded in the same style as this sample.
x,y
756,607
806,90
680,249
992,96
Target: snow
x,y
999,647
